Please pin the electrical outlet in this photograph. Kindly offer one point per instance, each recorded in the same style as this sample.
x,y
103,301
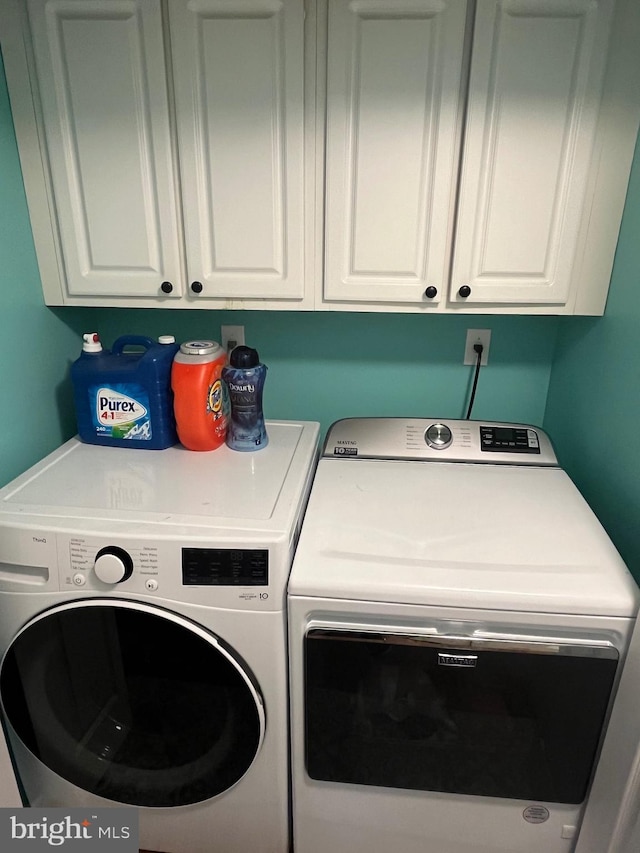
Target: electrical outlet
x,y
477,336
231,336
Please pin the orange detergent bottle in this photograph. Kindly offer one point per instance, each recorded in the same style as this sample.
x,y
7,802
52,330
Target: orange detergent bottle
x,y
198,395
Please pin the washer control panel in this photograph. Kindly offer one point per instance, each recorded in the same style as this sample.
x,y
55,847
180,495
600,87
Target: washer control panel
x,y
439,440
177,569
225,566
93,564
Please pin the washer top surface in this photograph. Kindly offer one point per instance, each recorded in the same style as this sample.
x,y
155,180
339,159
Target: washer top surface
x,y
507,535
83,485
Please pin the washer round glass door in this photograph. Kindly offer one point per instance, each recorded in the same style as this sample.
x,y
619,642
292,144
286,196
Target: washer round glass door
x,y
132,703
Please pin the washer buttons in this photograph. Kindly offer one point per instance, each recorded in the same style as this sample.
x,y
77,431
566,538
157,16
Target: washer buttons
x,y
151,584
79,579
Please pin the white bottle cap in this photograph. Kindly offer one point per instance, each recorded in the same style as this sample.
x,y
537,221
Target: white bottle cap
x,y
91,342
166,339
201,348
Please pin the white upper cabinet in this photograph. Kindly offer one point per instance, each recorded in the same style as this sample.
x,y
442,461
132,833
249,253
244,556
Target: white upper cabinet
x,y
171,148
477,155
239,88
101,77
534,94
394,70
433,156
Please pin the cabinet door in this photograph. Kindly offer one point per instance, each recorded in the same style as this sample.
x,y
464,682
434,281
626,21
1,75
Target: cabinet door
x,y
239,83
534,94
101,76
393,118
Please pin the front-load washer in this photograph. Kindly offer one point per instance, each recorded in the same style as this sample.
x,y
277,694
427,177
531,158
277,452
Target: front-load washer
x,y
457,622
143,634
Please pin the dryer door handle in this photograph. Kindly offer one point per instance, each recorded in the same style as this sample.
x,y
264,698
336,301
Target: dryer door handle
x,y
480,641
532,644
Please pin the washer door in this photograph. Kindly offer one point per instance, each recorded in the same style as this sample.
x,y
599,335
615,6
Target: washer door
x,y
132,703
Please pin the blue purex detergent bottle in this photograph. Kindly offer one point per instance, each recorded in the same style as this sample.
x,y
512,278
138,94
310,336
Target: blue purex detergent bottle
x,y
123,397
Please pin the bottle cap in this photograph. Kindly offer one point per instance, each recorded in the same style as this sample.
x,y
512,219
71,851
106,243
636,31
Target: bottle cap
x,y
200,347
91,342
244,357
166,339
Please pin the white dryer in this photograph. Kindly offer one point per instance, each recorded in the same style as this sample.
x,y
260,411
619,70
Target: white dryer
x,y
457,622
143,638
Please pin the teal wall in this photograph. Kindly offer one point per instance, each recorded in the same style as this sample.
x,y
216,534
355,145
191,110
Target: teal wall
x,y
34,396
325,366
593,409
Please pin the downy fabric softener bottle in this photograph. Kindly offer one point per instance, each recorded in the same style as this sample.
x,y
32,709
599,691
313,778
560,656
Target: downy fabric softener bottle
x,y
244,377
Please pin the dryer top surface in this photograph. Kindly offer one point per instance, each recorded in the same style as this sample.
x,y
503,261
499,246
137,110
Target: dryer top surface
x,y
502,537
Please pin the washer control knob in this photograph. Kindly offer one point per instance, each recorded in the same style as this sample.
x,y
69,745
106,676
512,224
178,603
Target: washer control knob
x,y
113,565
438,436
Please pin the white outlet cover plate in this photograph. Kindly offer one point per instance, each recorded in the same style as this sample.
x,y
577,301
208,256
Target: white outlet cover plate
x,y
231,333
475,336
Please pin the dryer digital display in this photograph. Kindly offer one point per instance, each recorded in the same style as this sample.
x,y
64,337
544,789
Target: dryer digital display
x,y
511,439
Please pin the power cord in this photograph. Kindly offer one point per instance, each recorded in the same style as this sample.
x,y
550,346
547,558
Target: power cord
x,y
477,348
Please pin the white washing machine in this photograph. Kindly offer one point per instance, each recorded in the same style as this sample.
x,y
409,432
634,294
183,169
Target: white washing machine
x,y
457,622
143,634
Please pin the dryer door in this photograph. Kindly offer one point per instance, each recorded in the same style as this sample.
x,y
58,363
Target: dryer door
x,y
486,714
132,703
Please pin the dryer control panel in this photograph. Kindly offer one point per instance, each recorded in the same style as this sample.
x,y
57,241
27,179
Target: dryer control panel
x,y
503,439
432,439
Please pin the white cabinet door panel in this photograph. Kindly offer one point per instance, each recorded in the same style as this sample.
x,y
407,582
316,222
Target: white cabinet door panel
x,y
239,100
103,91
535,87
393,97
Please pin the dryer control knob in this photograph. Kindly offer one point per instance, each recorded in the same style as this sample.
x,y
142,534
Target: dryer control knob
x,y
113,565
438,436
